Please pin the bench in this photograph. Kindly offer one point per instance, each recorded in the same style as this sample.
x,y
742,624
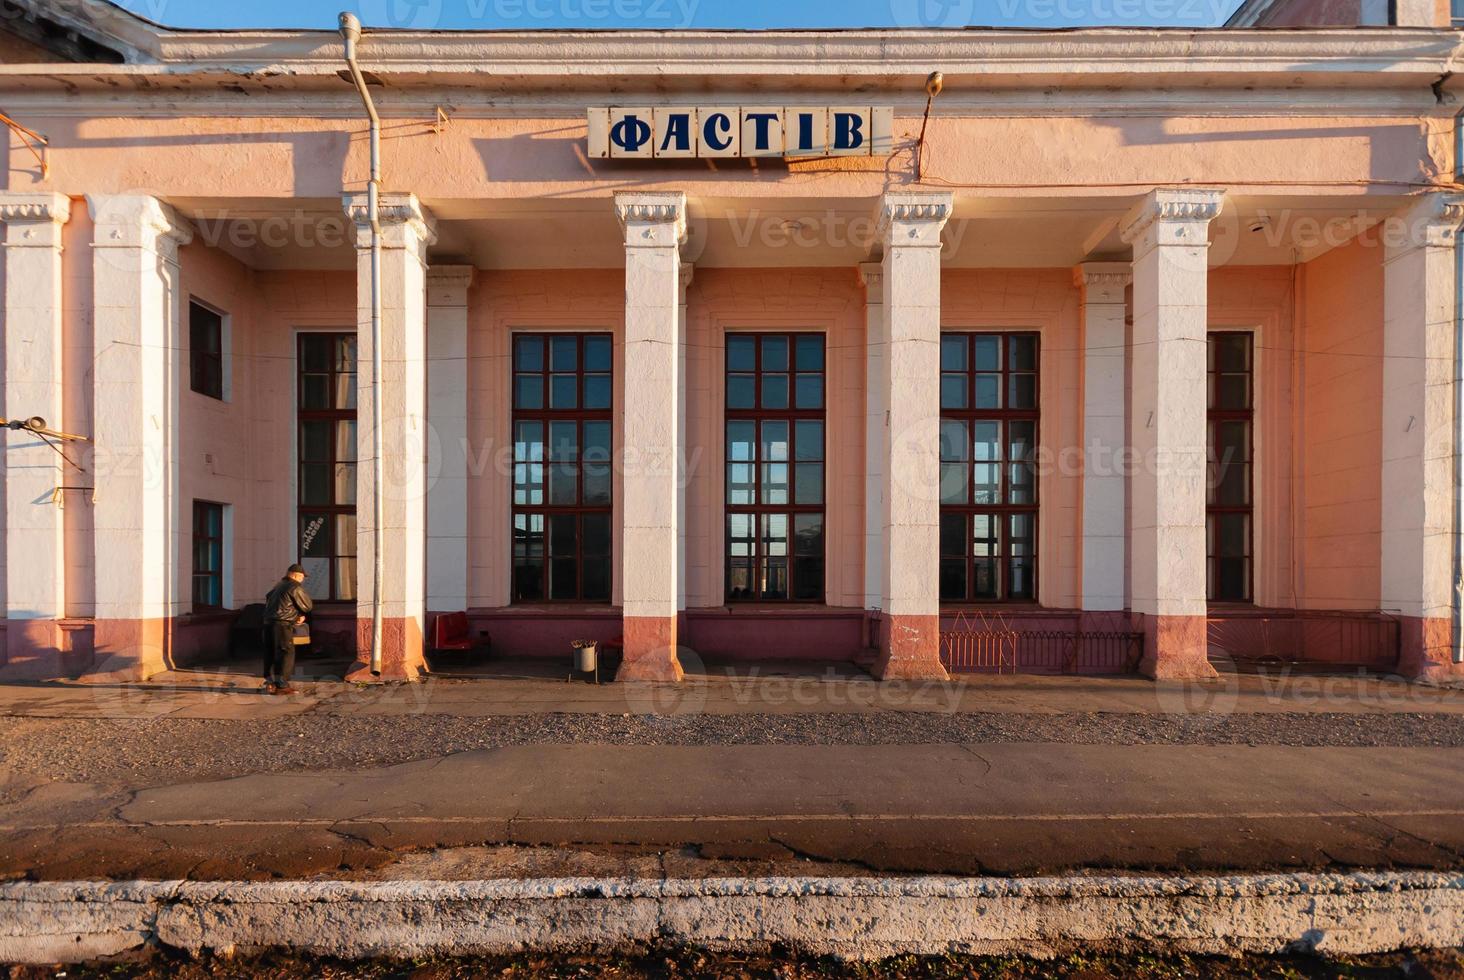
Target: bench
x,y
451,633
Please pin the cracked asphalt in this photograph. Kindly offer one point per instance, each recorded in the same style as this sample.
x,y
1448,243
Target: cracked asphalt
x,y
140,752
263,790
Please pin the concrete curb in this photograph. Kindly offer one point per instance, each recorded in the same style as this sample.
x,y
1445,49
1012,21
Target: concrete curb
x,y
855,918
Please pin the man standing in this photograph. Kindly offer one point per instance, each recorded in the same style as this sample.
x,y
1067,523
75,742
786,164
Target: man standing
x,y
284,609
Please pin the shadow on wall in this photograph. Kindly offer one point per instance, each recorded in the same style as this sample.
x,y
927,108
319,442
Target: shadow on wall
x,y
1405,138
317,157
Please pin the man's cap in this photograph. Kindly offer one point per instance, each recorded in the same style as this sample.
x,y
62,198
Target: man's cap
x,y
297,568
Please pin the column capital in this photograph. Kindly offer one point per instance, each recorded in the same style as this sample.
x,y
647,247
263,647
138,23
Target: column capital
x,y
909,218
447,285
685,274
1103,282
401,215
652,219
871,277
138,221
34,220
1172,216
1428,220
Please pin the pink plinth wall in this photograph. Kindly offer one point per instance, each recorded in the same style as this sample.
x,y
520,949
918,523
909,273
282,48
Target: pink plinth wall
x,y
768,633
1426,650
649,649
403,655
1176,648
909,649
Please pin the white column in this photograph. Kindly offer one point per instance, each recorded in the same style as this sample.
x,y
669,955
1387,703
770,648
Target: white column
x,y
406,234
135,377
34,542
910,225
1419,309
651,570
447,416
1105,530
876,431
683,462
1167,430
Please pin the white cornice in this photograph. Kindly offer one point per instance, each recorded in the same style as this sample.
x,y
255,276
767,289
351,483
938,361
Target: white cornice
x,y
859,52
666,61
283,100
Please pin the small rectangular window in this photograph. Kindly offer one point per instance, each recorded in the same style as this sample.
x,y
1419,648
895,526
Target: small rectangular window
x,y
1229,504
208,556
206,350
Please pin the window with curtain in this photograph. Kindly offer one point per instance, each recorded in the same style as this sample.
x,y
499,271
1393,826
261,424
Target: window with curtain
x,y
327,460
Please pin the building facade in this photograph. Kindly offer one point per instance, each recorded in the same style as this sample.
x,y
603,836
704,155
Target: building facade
x,y
739,345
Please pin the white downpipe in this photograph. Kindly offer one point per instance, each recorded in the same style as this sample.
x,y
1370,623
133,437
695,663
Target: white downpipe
x,y
351,32
1456,639
1457,613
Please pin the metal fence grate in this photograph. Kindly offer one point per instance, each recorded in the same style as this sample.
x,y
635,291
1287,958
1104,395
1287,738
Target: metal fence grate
x,y
989,644
1363,640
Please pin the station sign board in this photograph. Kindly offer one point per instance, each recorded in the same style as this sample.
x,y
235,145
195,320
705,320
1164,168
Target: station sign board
x,y
709,132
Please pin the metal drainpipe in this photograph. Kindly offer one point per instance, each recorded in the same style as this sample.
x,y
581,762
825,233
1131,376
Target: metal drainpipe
x,y
1457,638
1457,623
351,32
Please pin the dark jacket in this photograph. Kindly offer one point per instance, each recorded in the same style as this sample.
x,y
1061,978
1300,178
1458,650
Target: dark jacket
x,y
287,602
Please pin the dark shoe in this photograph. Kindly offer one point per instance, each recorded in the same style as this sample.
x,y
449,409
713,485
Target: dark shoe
x,y
270,688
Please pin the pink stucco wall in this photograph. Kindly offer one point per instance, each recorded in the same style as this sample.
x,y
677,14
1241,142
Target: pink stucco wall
x,y
288,303
252,156
241,451
829,301
1317,455
501,303
1261,300
1045,301
1340,429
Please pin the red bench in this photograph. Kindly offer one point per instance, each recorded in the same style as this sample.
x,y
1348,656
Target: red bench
x,y
452,634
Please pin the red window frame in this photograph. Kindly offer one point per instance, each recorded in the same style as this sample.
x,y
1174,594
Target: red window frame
x,y
959,466
804,554
535,539
320,523
1230,402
